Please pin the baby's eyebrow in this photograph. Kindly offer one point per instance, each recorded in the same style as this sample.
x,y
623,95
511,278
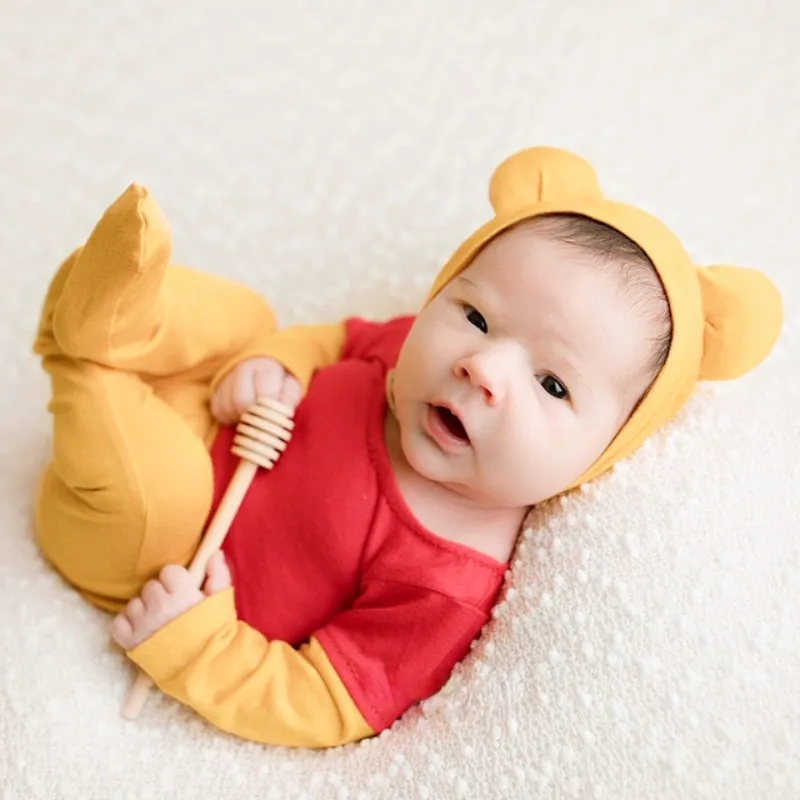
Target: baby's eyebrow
x,y
569,357
466,281
569,362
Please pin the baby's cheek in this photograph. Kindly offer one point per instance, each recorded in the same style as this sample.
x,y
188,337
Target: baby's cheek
x,y
516,471
539,463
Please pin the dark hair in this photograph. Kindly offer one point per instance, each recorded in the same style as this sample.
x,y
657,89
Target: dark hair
x,y
640,283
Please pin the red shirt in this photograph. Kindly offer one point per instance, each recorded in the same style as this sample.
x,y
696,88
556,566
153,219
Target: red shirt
x,y
324,543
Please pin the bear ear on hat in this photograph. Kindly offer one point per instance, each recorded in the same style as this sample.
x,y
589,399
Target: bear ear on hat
x,y
541,175
743,317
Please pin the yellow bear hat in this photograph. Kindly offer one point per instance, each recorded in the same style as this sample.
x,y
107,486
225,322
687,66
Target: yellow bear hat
x,y
725,319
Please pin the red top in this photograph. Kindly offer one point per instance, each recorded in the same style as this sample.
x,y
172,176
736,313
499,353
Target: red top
x,y
324,544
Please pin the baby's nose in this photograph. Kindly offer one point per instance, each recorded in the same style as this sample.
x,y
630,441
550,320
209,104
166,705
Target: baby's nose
x,y
468,369
488,372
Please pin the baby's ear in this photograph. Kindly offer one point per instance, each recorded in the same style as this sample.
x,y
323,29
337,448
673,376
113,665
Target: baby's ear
x,y
542,175
743,317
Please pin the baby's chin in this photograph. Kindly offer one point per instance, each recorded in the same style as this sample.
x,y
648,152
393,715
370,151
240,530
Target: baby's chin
x,y
510,494
459,479
431,464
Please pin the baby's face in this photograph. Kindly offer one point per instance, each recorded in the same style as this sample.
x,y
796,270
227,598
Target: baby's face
x,y
519,373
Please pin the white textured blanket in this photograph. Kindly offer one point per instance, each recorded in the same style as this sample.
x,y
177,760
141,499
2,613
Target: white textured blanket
x,y
332,155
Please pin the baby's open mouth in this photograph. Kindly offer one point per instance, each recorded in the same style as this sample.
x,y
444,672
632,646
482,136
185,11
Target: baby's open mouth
x,y
451,422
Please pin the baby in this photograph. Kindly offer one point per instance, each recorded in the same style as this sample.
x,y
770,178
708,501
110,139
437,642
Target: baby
x,y
359,569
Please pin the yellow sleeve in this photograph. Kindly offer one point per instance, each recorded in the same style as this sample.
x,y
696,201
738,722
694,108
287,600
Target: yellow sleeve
x,y
261,690
301,349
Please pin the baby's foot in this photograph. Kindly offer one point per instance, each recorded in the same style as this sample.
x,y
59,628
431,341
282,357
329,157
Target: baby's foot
x,y
109,304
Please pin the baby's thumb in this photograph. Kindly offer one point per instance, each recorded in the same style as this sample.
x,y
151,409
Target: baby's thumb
x,y
218,574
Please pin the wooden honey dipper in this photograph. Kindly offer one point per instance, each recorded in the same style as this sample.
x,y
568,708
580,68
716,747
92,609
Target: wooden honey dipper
x,y
261,436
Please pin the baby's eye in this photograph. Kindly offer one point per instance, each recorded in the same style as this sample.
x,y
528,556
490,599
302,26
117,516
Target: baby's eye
x,y
476,318
553,386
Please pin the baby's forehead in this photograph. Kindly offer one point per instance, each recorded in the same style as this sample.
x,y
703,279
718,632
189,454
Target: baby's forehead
x,y
529,264
534,261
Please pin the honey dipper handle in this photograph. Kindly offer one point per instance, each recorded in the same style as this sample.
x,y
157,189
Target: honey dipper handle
x,y
221,523
210,543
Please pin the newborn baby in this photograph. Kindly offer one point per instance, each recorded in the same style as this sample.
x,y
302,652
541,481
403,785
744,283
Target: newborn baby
x,y
359,569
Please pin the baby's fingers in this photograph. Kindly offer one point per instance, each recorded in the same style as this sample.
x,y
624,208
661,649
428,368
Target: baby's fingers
x,y
122,631
243,392
267,379
124,628
219,576
135,610
181,591
291,391
153,595
176,579
222,403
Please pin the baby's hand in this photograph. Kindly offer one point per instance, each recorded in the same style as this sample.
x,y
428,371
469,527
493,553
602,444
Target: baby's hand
x,y
162,600
244,384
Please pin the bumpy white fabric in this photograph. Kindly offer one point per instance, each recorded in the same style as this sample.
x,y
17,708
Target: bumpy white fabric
x,y
332,155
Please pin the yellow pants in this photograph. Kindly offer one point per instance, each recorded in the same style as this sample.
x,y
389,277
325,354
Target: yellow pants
x,y
131,345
